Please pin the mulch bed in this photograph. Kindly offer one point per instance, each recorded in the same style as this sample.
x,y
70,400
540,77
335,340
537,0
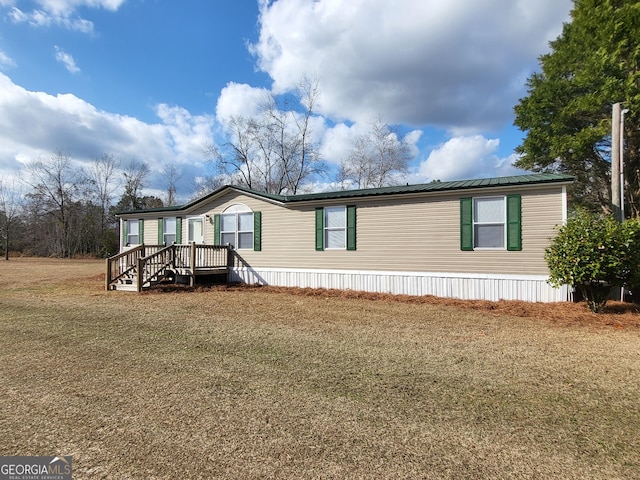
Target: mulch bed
x,y
615,314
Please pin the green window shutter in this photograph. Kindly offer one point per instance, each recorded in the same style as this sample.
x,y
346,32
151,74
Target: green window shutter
x,y
178,230
160,231
141,230
216,229
125,232
466,223
257,231
320,228
514,222
351,227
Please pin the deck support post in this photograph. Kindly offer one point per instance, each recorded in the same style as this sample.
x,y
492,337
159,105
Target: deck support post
x,y
192,261
139,276
107,277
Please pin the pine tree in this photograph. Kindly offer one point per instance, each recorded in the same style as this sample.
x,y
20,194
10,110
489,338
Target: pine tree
x,y
566,116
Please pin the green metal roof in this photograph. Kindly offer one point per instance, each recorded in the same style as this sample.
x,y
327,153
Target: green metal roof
x,y
436,187
457,185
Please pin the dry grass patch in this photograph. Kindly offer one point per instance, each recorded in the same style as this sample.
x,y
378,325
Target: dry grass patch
x,y
278,383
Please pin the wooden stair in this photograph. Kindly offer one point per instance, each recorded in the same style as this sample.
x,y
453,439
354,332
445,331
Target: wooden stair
x,y
129,281
150,265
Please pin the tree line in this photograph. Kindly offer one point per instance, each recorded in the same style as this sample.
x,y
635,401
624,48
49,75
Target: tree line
x,y
62,209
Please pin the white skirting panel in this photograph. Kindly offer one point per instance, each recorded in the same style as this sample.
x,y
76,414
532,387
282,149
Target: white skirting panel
x,y
530,288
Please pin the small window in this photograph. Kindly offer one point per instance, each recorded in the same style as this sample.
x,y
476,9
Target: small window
x,y
335,228
491,223
133,232
239,227
245,230
236,229
488,222
169,229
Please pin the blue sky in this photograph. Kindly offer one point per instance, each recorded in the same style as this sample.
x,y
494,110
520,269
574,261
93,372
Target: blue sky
x,y
154,79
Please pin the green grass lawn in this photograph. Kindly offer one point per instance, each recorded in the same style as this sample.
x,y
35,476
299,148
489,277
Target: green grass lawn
x,y
252,383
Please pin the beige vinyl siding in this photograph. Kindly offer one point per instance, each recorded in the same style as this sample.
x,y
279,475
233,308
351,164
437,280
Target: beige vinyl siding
x,y
278,223
150,231
412,233
397,234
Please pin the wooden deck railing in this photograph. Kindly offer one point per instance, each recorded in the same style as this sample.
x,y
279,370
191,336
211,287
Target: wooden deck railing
x,y
146,263
123,264
154,265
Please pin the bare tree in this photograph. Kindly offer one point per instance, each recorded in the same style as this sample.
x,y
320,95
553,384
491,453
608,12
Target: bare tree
x,y
171,175
10,208
275,151
379,158
103,179
248,158
204,185
57,186
102,176
135,174
300,155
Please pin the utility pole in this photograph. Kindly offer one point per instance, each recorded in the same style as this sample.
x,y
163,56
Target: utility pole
x,y
626,110
616,116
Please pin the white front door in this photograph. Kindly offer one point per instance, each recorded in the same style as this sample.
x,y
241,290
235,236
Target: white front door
x,y
195,230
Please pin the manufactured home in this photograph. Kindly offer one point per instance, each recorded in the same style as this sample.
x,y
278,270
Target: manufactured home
x,y
471,239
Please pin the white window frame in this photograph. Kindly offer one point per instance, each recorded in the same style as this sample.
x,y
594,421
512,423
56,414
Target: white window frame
x,y
165,232
237,210
236,232
502,223
332,229
199,218
129,234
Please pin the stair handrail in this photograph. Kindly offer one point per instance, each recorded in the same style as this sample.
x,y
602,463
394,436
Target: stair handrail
x,y
115,260
159,267
134,262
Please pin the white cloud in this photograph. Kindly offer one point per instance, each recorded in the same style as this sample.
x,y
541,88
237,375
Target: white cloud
x,y
246,101
187,135
17,15
34,124
65,7
412,138
238,99
67,60
337,143
41,18
6,61
466,157
447,64
59,13
338,140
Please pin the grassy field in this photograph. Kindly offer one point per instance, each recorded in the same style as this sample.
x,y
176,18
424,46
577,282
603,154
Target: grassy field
x,y
266,383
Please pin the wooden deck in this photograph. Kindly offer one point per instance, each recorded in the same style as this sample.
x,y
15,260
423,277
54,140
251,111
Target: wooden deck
x,y
146,265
